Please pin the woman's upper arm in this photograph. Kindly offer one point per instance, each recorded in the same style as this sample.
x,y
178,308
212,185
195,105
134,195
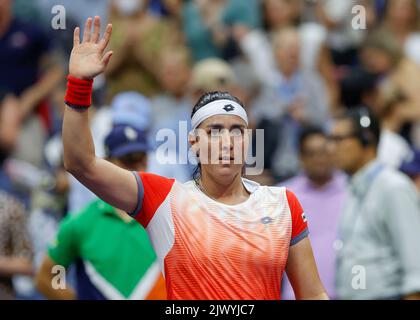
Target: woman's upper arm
x,y
302,272
114,185
139,194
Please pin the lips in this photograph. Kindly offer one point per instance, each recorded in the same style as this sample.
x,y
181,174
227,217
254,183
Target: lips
x,y
226,158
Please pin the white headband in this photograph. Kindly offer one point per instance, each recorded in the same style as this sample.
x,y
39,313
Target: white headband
x,y
218,107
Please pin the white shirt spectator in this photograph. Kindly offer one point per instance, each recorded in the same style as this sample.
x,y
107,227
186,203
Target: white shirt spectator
x,y
393,149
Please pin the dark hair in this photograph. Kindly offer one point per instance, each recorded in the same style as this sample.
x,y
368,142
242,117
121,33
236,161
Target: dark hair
x,y
308,132
369,133
214,96
204,100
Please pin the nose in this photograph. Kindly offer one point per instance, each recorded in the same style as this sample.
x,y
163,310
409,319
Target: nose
x,y
226,140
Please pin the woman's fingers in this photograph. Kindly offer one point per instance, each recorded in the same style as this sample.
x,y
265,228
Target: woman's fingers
x,y
76,37
107,56
86,33
105,40
96,29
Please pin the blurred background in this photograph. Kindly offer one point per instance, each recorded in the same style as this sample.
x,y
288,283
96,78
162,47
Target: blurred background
x,y
295,64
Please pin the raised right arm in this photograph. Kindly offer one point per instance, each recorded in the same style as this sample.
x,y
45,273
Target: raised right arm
x,y
114,185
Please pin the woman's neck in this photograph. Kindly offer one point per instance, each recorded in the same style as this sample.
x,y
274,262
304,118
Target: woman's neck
x,y
231,193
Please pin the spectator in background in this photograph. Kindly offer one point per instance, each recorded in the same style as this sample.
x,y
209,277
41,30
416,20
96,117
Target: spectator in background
x,y
171,9
279,14
402,20
174,104
343,39
15,247
209,24
323,191
10,125
116,261
411,167
315,56
377,256
298,98
212,75
138,38
382,56
136,110
29,72
393,110
171,110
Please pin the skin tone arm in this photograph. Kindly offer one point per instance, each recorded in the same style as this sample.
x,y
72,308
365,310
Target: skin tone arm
x,y
303,274
32,96
10,122
44,280
11,266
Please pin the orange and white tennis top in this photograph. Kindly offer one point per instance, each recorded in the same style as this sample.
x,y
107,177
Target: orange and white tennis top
x,y
210,251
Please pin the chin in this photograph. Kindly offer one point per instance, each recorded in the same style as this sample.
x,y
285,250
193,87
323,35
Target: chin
x,y
227,170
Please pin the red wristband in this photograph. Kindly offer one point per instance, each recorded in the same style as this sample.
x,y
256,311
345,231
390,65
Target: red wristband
x,y
79,93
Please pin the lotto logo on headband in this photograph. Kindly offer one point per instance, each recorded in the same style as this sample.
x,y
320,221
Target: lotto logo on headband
x,y
229,108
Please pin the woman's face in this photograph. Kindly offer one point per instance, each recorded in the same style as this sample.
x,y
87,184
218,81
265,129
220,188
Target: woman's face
x,y
222,144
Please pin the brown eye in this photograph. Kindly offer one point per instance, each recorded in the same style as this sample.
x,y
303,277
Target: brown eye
x,y
236,132
214,133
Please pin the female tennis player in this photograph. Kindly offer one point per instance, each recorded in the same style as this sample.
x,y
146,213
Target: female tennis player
x,y
218,237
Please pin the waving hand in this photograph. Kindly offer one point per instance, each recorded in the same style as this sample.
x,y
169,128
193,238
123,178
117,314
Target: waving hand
x,y
87,59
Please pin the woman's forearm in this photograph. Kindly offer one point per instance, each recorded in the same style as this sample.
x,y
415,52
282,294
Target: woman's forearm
x,y
79,150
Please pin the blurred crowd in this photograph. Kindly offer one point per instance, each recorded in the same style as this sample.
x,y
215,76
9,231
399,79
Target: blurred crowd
x,y
295,64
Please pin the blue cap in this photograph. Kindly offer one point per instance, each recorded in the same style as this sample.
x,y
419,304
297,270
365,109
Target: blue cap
x,y
124,140
133,109
412,166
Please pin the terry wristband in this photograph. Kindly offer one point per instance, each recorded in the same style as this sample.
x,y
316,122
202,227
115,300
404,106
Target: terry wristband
x,y
79,93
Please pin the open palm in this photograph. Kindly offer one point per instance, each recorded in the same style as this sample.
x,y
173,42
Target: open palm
x,y
87,58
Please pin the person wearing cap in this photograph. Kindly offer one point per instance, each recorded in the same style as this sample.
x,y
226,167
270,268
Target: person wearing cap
x,y
112,253
219,236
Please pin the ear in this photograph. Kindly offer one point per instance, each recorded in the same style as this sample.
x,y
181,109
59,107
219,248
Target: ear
x,y
193,141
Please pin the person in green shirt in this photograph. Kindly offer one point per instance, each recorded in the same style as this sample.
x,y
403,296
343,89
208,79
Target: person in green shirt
x,y
112,252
